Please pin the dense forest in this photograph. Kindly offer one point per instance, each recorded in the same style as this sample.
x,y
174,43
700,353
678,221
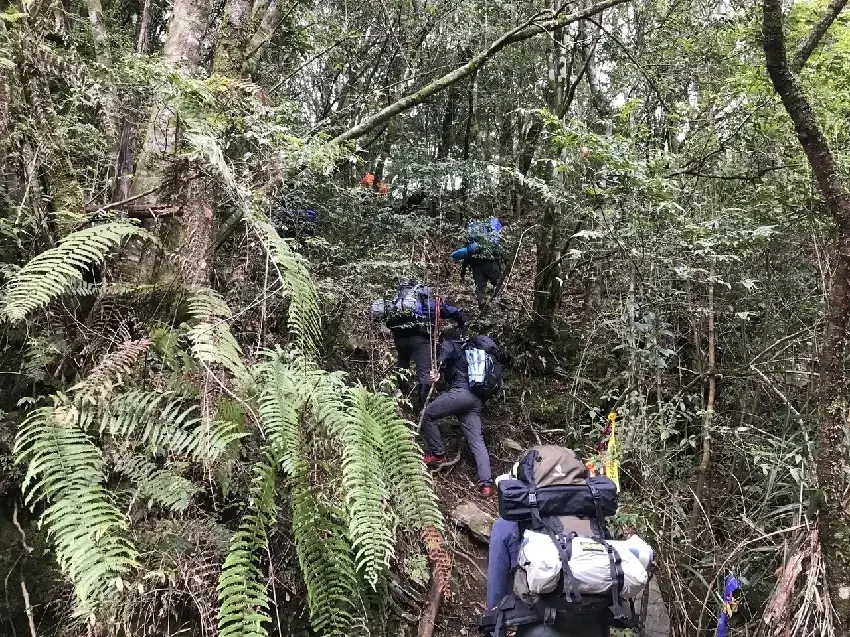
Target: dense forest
x,y
200,428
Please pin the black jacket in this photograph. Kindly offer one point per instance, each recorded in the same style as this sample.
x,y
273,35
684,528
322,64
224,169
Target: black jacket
x,y
452,364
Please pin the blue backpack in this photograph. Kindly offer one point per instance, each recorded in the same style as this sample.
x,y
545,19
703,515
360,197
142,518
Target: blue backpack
x,y
482,240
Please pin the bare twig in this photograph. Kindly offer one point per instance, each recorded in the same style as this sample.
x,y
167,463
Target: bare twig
x,y
28,608
469,558
28,549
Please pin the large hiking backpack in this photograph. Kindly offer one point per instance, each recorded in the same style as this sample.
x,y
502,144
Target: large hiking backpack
x,y
569,573
483,367
413,305
483,238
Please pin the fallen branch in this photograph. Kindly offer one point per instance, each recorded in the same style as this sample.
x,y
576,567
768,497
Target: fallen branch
x,y
432,607
441,571
449,463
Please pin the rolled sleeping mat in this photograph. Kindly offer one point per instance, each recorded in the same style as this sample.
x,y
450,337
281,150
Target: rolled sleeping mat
x,y
460,254
516,499
466,251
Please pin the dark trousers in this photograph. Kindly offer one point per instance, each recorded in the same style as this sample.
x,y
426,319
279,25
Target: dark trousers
x,y
460,402
485,271
415,346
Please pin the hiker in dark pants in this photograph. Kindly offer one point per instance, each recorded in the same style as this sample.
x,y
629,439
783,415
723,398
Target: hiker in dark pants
x,y
483,254
461,402
411,318
414,344
485,271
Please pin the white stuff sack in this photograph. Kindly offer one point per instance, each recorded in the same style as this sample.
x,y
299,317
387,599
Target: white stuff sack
x,y
476,362
591,568
539,558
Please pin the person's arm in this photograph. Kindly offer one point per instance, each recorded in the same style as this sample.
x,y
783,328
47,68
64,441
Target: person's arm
x,y
446,358
453,313
503,551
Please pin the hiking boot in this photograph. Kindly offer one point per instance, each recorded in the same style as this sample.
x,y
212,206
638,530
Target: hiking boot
x,y
434,461
486,490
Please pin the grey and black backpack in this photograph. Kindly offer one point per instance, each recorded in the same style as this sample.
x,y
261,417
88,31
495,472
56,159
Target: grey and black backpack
x,y
552,493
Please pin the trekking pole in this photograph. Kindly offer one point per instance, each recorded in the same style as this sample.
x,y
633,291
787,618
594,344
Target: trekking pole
x,y
434,348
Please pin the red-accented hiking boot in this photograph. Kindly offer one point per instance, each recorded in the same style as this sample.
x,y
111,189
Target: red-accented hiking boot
x,y
486,490
434,461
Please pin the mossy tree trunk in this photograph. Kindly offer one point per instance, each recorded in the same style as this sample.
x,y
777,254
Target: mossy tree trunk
x,y
832,461
186,238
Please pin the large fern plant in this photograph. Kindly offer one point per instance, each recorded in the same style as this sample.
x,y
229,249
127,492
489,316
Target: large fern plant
x,y
346,463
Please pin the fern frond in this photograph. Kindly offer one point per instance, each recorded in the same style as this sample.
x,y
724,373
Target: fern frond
x,y
280,407
55,271
242,589
325,559
157,486
304,315
167,421
409,482
212,341
110,372
366,493
65,472
206,304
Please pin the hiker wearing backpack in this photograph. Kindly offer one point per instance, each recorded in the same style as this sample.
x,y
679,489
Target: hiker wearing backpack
x,y
554,570
473,374
483,254
411,315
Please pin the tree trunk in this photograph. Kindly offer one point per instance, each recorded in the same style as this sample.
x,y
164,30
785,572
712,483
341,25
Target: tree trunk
x,y
126,153
269,23
229,53
450,113
190,233
697,511
834,515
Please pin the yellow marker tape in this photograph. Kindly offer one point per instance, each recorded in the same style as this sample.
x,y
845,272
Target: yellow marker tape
x,y
612,463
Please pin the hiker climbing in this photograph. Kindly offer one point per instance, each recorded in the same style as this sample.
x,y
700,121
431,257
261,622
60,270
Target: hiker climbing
x,y
571,579
412,316
483,253
473,374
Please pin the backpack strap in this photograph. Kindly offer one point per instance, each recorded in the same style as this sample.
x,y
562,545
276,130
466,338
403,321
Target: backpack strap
x,y
536,520
616,563
597,504
510,612
564,544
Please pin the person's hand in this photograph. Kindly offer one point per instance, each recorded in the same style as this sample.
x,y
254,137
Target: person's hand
x,y
434,375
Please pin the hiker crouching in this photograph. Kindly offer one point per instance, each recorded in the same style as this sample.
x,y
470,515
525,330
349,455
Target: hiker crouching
x,y
411,316
463,367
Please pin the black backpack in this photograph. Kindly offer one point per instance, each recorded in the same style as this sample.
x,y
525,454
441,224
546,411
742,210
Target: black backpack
x,y
552,493
483,367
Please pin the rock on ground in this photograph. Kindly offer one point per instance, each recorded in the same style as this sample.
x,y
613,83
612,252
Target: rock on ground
x,y
469,516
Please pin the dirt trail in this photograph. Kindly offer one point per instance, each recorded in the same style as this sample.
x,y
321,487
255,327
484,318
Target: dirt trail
x,y
459,615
